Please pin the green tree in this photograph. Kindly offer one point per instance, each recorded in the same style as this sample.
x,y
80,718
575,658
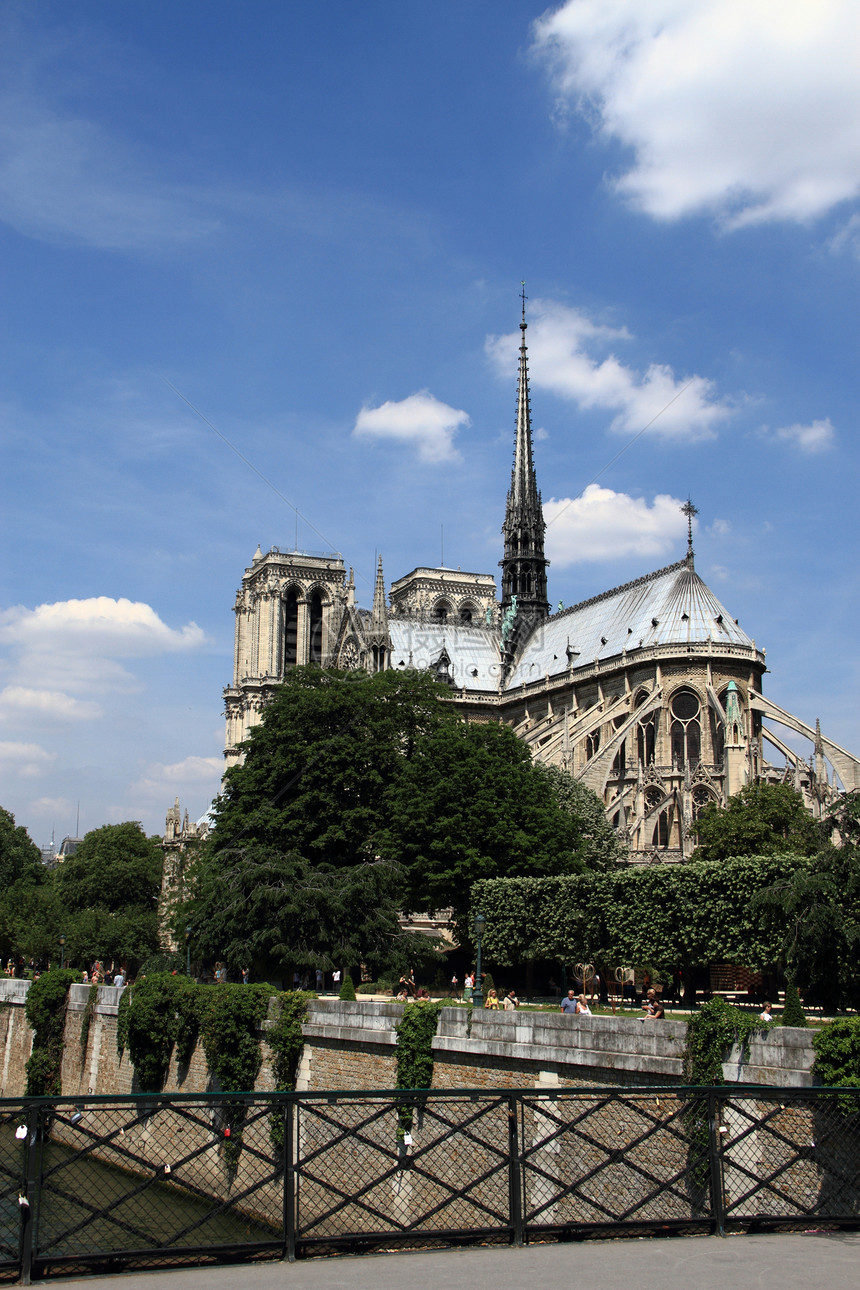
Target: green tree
x,y
817,908
271,911
471,804
598,845
762,819
103,899
319,765
20,858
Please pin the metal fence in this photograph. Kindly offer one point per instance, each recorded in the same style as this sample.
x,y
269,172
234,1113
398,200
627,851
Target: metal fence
x,y
111,1181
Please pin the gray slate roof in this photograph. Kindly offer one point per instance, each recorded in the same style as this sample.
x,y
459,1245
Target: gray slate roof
x,y
472,648
668,607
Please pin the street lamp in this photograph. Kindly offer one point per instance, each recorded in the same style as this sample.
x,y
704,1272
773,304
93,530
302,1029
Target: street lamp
x,y
188,932
478,992
62,951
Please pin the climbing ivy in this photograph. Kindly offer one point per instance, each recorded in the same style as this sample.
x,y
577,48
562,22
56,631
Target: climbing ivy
x,y
285,1040
47,1001
87,1017
230,1027
285,1037
711,1032
415,1031
158,1012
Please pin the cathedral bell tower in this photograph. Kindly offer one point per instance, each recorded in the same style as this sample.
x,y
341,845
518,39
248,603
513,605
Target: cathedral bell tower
x,y
524,565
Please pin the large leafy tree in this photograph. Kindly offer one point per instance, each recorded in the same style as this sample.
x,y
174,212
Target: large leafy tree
x,y
471,804
318,768
19,855
598,845
294,875
22,876
103,899
761,819
358,796
272,911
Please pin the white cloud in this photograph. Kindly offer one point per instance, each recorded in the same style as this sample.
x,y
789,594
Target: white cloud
x,y
24,758
567,353
192,778
604,525
123,628
420,420
73,646
20,701
747,108
818,436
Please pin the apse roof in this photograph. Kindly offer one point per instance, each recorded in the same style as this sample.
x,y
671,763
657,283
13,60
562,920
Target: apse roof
x,y
672,606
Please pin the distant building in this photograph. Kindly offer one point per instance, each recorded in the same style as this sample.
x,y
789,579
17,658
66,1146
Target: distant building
x,y
67,848
650,693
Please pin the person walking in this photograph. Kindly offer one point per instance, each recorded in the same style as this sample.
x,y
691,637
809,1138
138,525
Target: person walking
x,y
511,1002
569,1003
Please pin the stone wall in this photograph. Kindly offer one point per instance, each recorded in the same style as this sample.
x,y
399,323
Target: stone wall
x,y
352,1046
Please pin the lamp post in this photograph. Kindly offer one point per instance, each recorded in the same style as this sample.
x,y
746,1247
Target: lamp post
x,y
62,951
478,992
188,931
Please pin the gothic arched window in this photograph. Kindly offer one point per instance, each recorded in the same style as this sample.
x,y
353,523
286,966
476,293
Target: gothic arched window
x,y
316,626
646,739
291,629
686,728
441,611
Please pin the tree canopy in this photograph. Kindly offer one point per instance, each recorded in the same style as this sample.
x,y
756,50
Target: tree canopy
x,y
761,819
358,796
19,855
103,899
796,912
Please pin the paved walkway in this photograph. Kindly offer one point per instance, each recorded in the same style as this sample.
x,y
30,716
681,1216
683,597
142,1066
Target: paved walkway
x,y
789,1262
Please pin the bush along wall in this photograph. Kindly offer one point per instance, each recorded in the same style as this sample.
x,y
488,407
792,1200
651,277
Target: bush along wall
x,y
47,1001
711,1034
415,1031
164,1014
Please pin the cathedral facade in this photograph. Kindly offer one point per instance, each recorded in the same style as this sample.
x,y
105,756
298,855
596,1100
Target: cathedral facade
x,y
650,693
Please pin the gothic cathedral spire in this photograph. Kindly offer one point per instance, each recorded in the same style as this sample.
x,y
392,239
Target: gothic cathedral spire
x,y
524,565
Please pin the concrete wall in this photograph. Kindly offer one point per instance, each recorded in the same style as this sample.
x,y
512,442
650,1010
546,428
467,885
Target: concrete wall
x,y
352,1046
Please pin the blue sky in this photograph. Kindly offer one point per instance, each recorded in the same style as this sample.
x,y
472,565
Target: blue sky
x,y
312,222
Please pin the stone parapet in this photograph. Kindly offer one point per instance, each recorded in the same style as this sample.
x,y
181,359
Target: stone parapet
x,y
782,1057
548,1039
355,1023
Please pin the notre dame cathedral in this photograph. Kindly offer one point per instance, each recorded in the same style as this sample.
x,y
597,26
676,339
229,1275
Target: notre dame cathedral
x,y
650,693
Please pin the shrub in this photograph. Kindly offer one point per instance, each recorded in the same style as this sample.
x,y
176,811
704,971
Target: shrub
x,y
347,990
837,1053
792,1013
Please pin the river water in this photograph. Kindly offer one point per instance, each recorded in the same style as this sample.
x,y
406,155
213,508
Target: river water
x,y
86,1207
